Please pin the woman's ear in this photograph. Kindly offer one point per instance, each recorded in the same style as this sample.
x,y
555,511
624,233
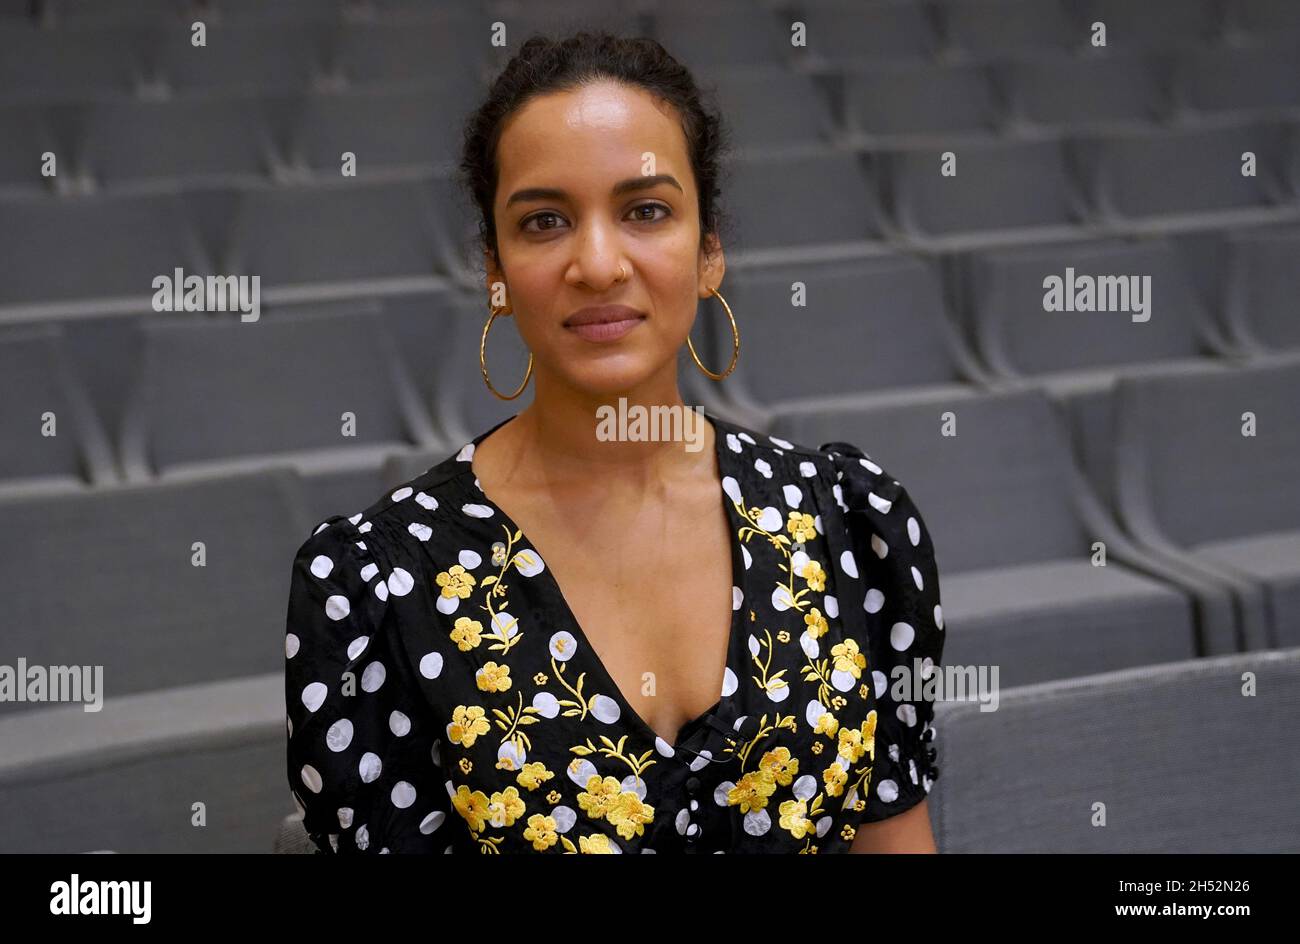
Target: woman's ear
x,y
712,265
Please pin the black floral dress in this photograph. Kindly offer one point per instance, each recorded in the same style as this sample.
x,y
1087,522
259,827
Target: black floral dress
x,y
441,696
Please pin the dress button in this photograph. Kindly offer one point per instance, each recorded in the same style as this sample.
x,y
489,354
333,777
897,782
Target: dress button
x,y
692,785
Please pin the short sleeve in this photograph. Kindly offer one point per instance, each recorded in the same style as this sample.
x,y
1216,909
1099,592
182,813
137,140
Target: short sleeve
x,y
362,748
896,562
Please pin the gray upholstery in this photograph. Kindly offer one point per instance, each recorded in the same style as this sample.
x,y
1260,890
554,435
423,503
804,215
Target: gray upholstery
x,y
36,381
1008,27
1262,287
1193,486
108,578
1098,91
1179,756
892,101
853,33
1250,79
127,778
1014,526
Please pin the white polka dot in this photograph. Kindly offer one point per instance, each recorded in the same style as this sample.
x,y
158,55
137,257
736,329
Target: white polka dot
x,y
770,520
737,598
381,589
913,532
807,469
732,488
938,616
357,646
868,464
832,606
373,677
311,778
402,493
793,496
345,817
339,736
426,501
321,566
290,646
400,582
369,767
879,546
313,696
399,724
403,794
469,559
432,821
764,468
880,504
849,564
874,601
475,510
337,607
363,838
368,572
420,531
916,579
901,636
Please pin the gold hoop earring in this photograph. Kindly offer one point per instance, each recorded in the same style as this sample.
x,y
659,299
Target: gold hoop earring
x,y
482,360
735,343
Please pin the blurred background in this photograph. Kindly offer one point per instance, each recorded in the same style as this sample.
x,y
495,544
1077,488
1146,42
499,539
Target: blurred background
x,y
1115,501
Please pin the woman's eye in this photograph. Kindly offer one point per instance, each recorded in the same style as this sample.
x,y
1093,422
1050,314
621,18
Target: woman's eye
x,y
540,216
650,206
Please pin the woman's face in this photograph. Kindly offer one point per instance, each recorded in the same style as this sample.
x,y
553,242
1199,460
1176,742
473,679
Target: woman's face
x,y
590,181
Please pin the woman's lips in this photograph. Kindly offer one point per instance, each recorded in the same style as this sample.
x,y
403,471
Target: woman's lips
x,y
605,331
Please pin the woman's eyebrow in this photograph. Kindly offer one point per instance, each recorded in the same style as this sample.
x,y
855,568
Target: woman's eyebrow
x,y
620,188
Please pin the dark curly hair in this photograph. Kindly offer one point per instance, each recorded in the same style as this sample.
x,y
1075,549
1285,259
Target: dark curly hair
x,y
544,64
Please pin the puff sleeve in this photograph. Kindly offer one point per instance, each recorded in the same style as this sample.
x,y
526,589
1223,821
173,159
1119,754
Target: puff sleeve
x,y
362,746
900,586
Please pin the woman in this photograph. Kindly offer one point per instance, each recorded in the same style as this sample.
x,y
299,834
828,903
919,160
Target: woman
x,y
555,641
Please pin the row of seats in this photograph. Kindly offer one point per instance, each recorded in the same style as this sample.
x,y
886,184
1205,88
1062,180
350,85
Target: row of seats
x,y
330,235
289,50
259,136
1199,555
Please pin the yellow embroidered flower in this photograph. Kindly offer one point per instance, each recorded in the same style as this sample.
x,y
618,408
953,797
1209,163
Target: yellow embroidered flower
x,y
817,747
835,777
596,845
505,807
467,633
802,527
783,636
493,677
863,691
848,832
751,616
838,702
554,797
752,791
467,723
498,554
532,776
849,658
455,582
780,765
856,741
540,679
466,765
541,832
815,575
630,814
794,817
816,623
472,806
827,724
600,796
859,805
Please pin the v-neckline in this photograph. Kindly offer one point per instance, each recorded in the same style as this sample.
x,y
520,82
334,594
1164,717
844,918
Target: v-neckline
x,y
691,727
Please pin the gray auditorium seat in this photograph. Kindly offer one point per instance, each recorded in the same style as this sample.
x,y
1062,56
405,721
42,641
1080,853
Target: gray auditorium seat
x,y
94,250
1014,527
384,128
867,328
1096,92
1194,489
849,32
219,394
39,64
127,778
902,101
1262,20
1193,174
1258,80
26,133
38,385
993,28
775,108
1261,287
721,34
354,236
1000,188
452,43
224,140
108,578
264,56
1152,25
1030,776
807,206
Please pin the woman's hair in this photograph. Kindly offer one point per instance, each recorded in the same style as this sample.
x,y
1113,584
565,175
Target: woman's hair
x,y
545,65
